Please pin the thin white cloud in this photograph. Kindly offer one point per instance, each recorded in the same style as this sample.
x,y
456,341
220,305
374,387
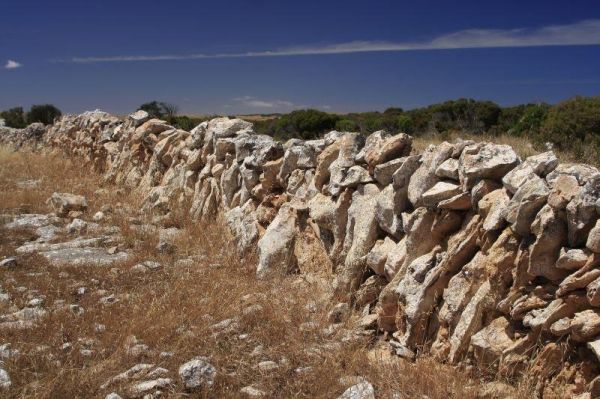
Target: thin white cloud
x,y
582,33
11,64
254,102
543,82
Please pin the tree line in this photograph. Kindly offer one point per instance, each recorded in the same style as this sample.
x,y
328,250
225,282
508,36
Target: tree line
x,y
16,117
572,125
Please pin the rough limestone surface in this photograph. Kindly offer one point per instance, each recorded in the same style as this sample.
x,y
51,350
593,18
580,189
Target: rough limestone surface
x,y
564,189
243,223
540,165
276,247
523,207
389,206
489,343
448,169
5,381
361,234
442,191
572,259
388,148
593,240
384,172
463,251
362,390
63,203
581,211
486,161
550,229
424,177
197,372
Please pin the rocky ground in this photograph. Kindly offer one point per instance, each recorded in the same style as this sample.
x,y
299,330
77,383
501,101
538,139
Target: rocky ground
x,y
98,301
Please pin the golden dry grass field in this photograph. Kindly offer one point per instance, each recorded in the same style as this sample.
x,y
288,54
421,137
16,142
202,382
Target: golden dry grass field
x,y
276,336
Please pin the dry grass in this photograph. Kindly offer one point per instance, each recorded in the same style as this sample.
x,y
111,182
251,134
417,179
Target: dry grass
x,y
173,309
522,146
54,173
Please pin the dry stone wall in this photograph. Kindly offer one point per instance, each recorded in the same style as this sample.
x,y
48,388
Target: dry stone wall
x,y
465,251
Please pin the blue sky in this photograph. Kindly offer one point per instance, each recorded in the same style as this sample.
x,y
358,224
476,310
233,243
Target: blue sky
x,y
257,56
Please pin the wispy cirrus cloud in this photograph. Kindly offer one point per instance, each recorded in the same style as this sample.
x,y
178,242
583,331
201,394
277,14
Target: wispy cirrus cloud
x,y
254,102
11,64
582,33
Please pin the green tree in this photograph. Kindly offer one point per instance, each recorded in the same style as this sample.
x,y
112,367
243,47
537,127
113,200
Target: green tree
x,y
574,125
161,110
405,123
45,113
169,111
530,121
305,124
463,114
154,109
14,117
187,123
393,111
574,119
346,125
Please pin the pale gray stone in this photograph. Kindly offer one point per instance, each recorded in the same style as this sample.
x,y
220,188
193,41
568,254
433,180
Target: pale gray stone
x,y
276,247
486,161
363,390
525,204
198,372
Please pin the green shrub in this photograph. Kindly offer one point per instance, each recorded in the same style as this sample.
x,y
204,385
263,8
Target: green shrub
x,y
305,124
463,114
346,125
160,110
187,123
574,125
531,121
405,123
14,117
153,109
45,114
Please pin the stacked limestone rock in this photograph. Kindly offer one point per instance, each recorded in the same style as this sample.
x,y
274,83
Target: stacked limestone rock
x,y
31,135
466,251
